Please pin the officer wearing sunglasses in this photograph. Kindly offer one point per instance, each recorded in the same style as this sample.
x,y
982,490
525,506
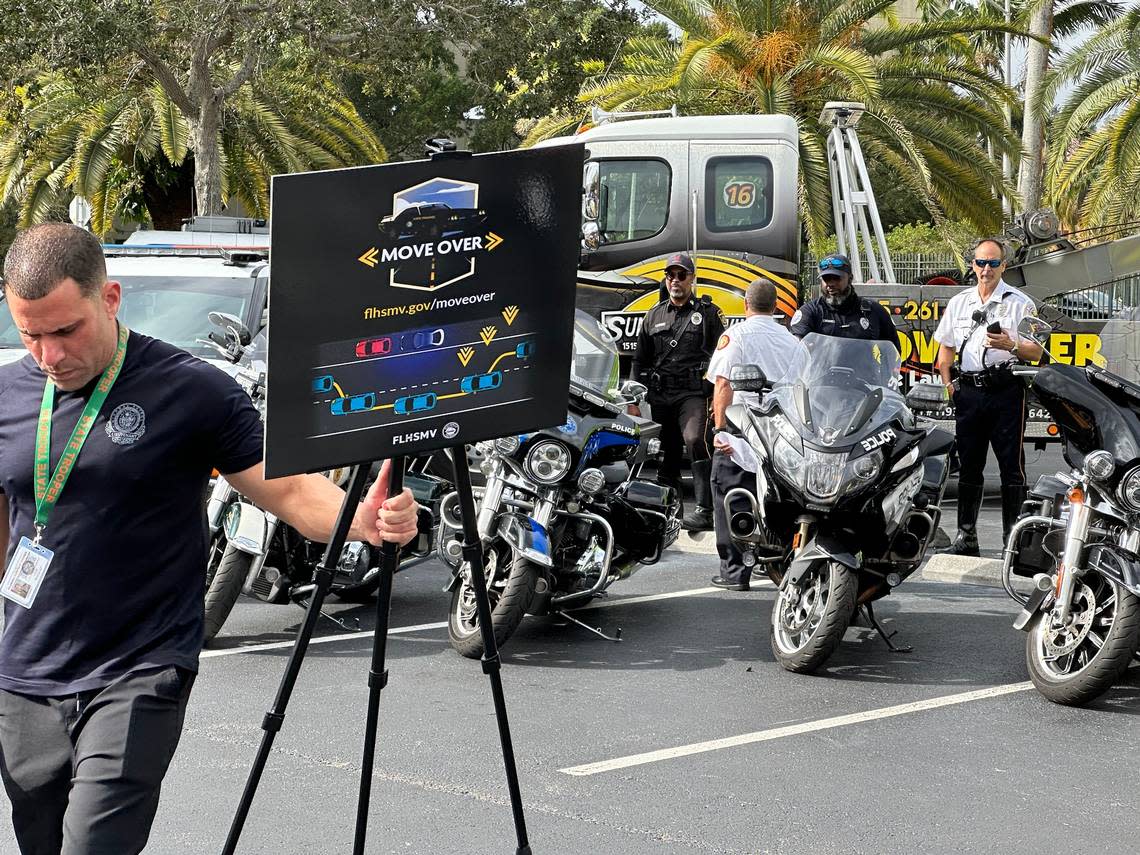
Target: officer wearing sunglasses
x,y
979,329
839,311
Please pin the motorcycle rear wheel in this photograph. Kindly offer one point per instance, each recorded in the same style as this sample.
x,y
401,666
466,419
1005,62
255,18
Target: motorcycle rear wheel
x,y
1078,664
225,573
809,619
510,587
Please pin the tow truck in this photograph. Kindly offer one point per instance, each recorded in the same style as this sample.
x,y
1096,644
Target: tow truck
x,y
724,188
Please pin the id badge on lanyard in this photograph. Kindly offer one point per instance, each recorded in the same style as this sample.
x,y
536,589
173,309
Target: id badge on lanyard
x,y
31,560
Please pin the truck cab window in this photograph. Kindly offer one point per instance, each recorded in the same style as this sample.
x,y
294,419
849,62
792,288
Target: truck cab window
x,y
738,193
634,199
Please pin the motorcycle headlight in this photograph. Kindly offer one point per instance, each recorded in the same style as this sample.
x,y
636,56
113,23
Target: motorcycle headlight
x,y
507,445
1130,490
548,462
824,473
786,458
1099,465
867,467
591,481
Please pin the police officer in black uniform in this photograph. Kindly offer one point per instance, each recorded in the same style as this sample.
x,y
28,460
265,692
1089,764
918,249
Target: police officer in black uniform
x,y
839,311
676,341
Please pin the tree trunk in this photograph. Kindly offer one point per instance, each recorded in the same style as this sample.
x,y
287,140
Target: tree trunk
x,y
1029,178
207,155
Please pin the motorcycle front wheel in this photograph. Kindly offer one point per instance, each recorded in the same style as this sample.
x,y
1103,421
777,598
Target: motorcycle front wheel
x,y
510,586
1081,660
225,572
810,617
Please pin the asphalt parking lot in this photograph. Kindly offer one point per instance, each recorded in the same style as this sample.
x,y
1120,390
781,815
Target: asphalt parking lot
x,y
684,737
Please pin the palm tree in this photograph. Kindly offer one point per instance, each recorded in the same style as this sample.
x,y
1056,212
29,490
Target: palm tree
x,y
1093,163
122,146
930,113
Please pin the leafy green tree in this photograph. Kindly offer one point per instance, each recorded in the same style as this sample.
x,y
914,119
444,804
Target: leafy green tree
x,y
129,148
205,54
1093,163
929,119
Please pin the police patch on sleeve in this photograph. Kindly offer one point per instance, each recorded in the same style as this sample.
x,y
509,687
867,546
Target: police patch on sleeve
x,y
722,343
720,315
797,317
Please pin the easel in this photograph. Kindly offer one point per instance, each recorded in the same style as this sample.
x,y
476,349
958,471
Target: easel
x,y
378,674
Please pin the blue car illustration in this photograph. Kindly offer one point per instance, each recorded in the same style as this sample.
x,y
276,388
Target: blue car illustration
x,y
415,403
481,382
525,350
324,383
355,404
420,340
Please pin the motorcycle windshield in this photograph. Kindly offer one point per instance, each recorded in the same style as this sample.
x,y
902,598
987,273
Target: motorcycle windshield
x,y
595,363
838,391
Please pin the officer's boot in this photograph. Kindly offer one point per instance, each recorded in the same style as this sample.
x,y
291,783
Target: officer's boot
x,y
969,503
1012,498
700,518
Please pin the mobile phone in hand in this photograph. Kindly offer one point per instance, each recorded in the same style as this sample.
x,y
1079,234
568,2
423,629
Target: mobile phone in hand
x,y
994,328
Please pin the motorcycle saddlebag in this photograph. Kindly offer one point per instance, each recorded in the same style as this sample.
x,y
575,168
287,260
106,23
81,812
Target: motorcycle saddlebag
x,y
644,518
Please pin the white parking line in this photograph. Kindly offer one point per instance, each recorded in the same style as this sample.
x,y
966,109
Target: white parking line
x,y
793,730
425,627
324,639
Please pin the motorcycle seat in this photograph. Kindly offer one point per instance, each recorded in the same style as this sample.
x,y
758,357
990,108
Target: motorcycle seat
x,y
936,443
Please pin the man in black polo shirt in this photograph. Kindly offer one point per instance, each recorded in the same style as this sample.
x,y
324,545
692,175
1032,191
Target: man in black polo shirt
x,y
839,311
107,440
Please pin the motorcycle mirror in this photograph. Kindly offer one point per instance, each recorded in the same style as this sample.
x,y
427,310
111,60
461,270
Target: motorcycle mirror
x,y
1034,328
927,397
633,391
232,325
747,378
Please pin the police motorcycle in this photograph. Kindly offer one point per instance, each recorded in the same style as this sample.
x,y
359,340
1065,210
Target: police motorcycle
x,y
562,512
848,485
252,551
1078,538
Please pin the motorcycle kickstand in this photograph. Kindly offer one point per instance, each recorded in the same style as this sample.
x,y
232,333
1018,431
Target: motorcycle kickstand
x,y
614,638
906,648
353,627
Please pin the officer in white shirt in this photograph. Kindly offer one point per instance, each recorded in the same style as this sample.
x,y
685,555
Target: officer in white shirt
x,y
758,340
979,326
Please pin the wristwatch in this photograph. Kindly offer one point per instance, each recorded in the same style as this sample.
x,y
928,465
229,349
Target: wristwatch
x,y
1013,349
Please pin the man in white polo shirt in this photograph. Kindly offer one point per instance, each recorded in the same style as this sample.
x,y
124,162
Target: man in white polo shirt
x,y
979,327
758,340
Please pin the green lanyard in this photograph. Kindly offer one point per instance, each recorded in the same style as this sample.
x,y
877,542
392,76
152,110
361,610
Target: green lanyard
x,y
49,491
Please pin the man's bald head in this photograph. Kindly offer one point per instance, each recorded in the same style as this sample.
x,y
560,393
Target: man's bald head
x,y
760,298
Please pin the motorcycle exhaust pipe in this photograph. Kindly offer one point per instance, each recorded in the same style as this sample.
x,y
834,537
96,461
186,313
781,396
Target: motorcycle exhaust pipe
x,y
906,546
920,525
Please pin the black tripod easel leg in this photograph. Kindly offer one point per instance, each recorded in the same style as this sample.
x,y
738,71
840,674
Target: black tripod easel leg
x,y
377,673
273,720
473,555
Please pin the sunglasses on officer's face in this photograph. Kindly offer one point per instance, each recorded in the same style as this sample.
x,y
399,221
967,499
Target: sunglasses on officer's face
x,y
677,274
995,263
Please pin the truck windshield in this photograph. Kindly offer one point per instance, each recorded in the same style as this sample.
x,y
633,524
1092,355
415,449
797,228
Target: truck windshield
x,y
173,309
635,199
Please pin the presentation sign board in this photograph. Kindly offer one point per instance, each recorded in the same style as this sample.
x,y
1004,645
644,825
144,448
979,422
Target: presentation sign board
x,y
421,305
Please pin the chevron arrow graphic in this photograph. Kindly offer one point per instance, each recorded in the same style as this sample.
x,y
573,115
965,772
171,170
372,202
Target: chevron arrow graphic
x,y
369,258
510,313
493,240
465,355
488,334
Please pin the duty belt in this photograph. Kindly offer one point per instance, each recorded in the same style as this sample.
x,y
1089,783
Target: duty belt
x,y
991,378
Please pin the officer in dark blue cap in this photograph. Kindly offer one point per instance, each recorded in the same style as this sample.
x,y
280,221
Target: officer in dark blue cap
x,y
677,339
839,311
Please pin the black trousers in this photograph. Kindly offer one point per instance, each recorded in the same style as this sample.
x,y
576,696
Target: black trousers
x,y
83,772
726,475
683,426
991,417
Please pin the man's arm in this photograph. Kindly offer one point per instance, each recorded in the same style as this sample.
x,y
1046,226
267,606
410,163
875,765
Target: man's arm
x,y
944,363
642,355
310,503
722,397
803,321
